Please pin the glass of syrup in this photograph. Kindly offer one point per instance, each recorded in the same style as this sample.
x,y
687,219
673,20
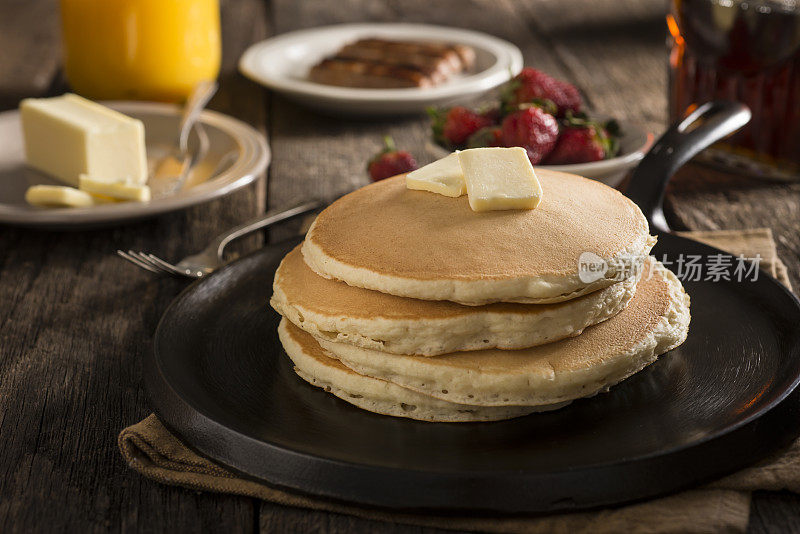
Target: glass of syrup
x,y
748,51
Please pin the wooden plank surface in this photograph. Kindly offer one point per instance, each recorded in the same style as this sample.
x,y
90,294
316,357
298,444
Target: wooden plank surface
x,y
774,512
30,34
74,320
702,198
614,52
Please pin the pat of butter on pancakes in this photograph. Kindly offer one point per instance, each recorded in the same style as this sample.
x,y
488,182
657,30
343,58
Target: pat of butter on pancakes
x,y
492,178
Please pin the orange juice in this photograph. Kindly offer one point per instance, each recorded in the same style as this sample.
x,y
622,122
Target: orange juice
x,y
140,49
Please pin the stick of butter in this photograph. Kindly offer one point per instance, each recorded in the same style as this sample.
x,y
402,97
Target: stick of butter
x,y
67,136
116,190
443,176
499,179
59,196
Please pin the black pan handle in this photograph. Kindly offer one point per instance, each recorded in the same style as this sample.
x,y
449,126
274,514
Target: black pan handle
x,y
681,142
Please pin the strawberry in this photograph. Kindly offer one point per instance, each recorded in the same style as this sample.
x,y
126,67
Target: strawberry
x,y
532,129
453,127
488,136
493,114
531,85
548,106
576,145
583,140
390,162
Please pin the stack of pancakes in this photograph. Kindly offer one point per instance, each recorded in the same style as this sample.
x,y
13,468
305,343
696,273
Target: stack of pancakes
x,y
408,303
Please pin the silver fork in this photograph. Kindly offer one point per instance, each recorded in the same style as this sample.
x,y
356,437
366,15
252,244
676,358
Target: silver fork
x,y
205,262
165,180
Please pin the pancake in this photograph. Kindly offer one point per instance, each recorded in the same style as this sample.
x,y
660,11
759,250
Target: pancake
x,y
421,245
655,321
379,396
341,313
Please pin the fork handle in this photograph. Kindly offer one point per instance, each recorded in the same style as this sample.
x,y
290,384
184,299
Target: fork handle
x,y
201,94
709,123
267,219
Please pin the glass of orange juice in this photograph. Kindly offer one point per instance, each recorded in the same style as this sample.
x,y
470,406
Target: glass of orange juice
x,y
140,49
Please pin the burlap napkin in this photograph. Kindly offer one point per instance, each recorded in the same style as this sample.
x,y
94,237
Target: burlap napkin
x,y
149,448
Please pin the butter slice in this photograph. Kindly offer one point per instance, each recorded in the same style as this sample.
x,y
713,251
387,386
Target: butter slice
x,y
499,179
67,136
58,196
115,190
443,176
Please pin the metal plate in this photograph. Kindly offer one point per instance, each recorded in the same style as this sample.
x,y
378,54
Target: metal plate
x,y
237,154
219,378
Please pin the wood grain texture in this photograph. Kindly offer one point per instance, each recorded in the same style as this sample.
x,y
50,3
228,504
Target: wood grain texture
x,y
774,512
74,322
615,54
701,198
275,519
30,48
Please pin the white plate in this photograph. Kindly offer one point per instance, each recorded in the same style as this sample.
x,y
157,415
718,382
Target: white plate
x,y
282,63
633,145
237,154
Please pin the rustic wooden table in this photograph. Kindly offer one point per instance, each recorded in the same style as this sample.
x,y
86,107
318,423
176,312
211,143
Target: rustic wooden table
x,y
75,319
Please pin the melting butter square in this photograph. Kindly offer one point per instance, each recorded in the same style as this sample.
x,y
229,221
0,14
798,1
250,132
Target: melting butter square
x,y
115,190
443,176
58,196
499,179
67,136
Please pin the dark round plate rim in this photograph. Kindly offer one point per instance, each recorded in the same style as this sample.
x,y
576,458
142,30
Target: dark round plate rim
x,y
155,380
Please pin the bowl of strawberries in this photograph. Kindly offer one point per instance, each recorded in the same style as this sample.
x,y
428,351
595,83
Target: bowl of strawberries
x,y
545,116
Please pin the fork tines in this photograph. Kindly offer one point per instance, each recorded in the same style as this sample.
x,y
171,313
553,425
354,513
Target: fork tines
x,y
150,262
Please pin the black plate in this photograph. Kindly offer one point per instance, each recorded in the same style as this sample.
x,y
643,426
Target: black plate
x,y
724,399
220,379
